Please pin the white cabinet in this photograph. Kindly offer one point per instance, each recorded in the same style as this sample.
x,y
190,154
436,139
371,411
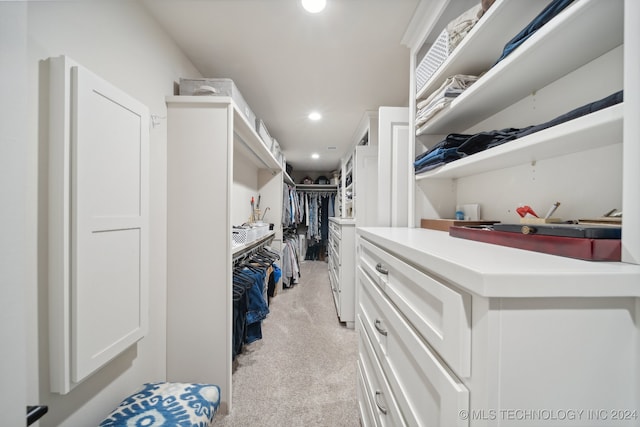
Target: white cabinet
x,y
360,173
451,336
98,223
359,193
216,163
341,261
579,162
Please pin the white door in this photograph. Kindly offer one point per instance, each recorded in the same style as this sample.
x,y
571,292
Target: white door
x,y
98,222
394,161
109,223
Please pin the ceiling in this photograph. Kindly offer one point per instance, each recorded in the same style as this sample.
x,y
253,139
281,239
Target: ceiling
x,y
287,62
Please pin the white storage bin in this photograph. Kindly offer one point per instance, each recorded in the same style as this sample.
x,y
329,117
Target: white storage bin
x,y
436,55
242,236
221,87
275,147
264,133
261,229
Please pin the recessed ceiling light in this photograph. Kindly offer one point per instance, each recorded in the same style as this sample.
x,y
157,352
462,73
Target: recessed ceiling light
x,y
314,6
315,116
315,156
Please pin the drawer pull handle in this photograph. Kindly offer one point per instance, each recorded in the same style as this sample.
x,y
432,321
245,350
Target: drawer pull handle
x,y
380,407
381,269
378,325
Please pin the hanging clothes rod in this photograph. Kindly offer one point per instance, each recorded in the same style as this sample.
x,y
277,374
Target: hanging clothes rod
x,y
316,188
253,247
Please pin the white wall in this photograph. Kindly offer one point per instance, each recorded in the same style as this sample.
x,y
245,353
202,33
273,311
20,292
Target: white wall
x,y
13,213
119,42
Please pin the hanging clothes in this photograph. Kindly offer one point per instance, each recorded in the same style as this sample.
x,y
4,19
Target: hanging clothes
x,y
251,276
290,257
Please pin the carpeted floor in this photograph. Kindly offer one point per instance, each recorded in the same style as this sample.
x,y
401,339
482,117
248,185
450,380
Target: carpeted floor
x,y
303,371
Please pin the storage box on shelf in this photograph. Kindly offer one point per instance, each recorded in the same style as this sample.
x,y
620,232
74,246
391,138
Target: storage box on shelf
x,y
261,128
245,235
217,87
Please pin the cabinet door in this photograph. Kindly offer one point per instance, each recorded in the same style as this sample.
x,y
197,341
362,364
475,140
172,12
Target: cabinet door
x,y
99,196
109,223
394,162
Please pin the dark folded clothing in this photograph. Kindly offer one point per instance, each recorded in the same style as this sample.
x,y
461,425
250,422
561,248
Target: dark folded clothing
x,y
485,140
439,155
457,145
429,167
453,140
549,12
608,101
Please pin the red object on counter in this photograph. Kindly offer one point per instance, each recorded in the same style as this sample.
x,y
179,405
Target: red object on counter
x,y
524,210
572,247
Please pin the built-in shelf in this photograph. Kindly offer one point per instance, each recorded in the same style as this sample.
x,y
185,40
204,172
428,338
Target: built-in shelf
x,y
479,49
287,178
594,130
247,247
244,131
317,187
577,30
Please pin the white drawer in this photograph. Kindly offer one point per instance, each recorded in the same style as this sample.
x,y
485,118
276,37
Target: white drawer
x,y
334,229
333,280
370,313
334,244
335,259
365,405
440,313
383,402
427,392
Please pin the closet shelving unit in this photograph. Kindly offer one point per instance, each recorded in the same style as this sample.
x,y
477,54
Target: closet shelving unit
x,y
361,167
348,188
575,48
359,171
216,163
510,322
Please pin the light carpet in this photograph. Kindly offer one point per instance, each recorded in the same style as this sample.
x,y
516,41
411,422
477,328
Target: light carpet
x,y
303,370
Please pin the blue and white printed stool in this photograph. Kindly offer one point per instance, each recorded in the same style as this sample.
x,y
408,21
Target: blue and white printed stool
x,y
167,405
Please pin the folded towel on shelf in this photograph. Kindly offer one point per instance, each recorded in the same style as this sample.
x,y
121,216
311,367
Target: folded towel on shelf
x,y
441,97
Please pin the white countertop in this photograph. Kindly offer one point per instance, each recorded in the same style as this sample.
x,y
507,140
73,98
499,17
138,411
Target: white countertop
x,y
343,221
497,271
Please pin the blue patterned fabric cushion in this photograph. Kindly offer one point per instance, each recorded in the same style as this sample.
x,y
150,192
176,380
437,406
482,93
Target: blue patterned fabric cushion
x,y
167,405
